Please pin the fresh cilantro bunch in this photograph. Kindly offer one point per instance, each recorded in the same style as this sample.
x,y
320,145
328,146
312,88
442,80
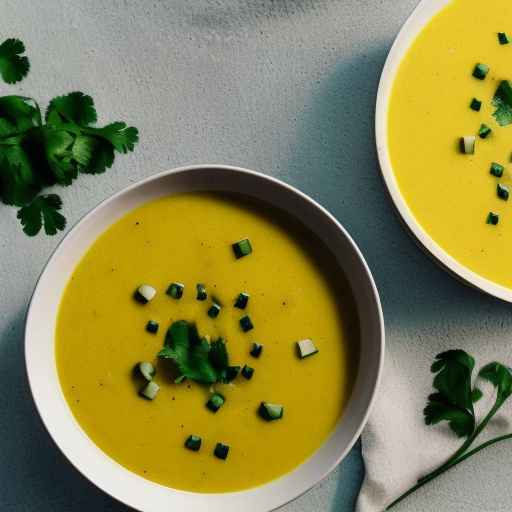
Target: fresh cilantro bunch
x,y
195,357
453,400
37,152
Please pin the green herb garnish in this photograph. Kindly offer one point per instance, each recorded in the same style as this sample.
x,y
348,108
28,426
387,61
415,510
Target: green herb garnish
x,y
493,218
453,402
195,357
13,66
497,169
502,191
502,100
37,153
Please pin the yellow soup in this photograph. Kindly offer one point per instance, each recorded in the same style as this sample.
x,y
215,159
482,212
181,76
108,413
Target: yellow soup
x,y
295,293
450,193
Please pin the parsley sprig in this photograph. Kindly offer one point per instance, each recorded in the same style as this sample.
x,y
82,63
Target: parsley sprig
x,y
37,152
453,402
195,357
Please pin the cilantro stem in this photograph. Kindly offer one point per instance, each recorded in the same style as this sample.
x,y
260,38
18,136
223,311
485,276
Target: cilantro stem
x,y
460,455
446,466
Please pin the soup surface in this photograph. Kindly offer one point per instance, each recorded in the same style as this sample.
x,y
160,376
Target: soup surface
x,y
295,293
450,193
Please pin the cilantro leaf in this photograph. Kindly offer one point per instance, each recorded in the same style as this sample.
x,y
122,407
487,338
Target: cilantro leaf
x,y
43,210
500,376
13,66
453,401
189,354
17,115
123,138
502,100
75,107
18,184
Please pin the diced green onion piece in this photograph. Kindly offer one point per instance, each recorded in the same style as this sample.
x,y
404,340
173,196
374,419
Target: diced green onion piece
x,y
150,390
232,373
175,290
201,292
256,350
480,71
152,327
221,451
475,105
144,293
214,310
467,144
247,372
503,38
242,248
242,300
502,192
306,348
484,131
193,443
246,323
145,370
215,402
497,169
270,412
493,218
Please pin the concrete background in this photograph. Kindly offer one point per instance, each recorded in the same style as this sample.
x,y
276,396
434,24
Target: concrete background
x,y
281,86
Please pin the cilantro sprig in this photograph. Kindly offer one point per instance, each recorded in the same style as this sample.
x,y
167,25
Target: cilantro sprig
x,y
37,152
456,392
195,357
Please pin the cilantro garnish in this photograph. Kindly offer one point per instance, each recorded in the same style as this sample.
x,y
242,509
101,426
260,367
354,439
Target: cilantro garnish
x,y
453,402
37,153
13,66
502,100
195,357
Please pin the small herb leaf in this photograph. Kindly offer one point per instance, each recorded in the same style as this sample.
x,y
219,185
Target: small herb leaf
x,y
502,100
43,210
13,66
500,376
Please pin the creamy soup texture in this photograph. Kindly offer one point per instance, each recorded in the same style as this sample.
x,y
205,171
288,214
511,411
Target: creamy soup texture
x,y
296,292
449,193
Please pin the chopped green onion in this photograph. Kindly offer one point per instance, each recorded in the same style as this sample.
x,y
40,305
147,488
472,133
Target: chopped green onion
x,y
175,290
201,292
215,402
484,131
493,218
214,310
256,350
152,327
497,169
503,38
242,300
246,323
145,370
475,105
150,390
271,412
247,372
221,451
480,71
502,192
242,248
306,348
193,443
467,144
144,293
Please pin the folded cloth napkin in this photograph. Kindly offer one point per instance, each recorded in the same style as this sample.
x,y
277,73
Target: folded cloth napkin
x,y
398,447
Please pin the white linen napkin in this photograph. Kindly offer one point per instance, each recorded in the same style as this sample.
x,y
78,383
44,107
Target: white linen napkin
x,y
398,447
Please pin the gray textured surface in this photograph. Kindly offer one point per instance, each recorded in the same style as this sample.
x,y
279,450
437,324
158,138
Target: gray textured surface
x,y
285,87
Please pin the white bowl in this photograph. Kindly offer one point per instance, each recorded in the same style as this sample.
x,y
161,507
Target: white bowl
x,y
110,476
420,17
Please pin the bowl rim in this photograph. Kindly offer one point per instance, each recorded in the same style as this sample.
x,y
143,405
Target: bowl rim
x,y
379,325
417,20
